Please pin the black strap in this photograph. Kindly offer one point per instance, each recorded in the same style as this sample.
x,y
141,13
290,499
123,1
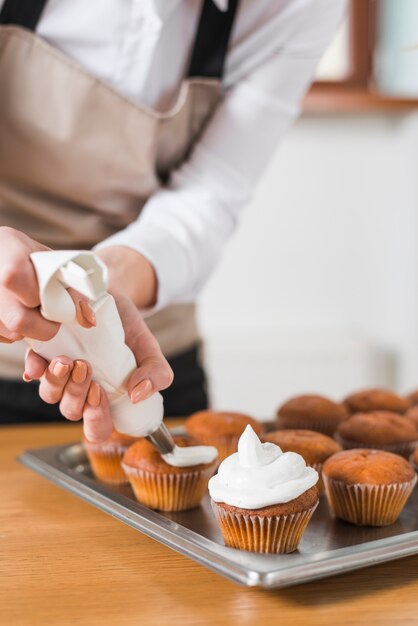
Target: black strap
x,y
211,41
24,13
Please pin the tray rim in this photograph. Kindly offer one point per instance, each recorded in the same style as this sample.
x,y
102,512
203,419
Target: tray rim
x,y
189,543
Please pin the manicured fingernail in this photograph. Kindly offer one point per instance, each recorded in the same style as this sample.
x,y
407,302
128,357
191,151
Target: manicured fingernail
x,y
141,391
79,373
60,369
88,312
26,377
93,397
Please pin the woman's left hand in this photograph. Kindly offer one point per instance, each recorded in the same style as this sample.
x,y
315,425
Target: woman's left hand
x,y
70,383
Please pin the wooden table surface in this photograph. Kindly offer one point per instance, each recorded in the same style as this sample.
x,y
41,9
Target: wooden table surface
x,y
64,562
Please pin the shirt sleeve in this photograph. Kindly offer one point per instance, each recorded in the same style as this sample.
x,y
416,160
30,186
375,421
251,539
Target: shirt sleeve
x,y
184,226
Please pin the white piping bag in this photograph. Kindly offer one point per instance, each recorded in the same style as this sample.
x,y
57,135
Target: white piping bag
x,y
103,346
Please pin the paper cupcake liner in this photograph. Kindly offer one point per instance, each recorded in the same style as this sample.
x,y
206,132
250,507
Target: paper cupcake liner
x,y
327,428
367,505
105,462
279,534
404,449
169,492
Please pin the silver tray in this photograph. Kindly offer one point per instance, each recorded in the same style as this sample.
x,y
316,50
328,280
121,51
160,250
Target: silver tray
x,y
328,546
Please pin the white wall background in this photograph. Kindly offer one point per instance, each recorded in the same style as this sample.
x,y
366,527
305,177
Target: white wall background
x,y
318,288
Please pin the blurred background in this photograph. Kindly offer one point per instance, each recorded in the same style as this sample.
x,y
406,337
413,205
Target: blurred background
x,y
318,291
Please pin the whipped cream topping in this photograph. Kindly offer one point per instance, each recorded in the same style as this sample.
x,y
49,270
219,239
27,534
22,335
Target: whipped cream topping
x,y
260,474
190,455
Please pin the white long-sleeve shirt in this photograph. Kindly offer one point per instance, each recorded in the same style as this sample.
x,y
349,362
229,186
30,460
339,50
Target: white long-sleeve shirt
x,y
142,49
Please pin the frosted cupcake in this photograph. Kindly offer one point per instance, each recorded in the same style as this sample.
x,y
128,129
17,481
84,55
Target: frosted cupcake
x,y
105,458
263,498
170,482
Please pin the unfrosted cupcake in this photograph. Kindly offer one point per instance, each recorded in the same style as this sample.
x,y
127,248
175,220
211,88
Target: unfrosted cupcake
x,y
220,429
368,487
413,459
262,498
105,458
381,430
412,414
314,447
311,412
175,482
375,400
412,398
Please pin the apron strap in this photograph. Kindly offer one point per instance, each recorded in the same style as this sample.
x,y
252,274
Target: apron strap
x,y
211,41
25,13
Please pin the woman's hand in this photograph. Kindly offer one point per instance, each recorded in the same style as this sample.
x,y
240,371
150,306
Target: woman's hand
x,y
19,292
70,383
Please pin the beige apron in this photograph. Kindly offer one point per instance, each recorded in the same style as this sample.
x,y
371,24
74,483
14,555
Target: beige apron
x,y
78,160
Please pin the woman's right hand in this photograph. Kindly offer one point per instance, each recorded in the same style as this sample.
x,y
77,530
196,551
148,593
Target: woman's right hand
x,y
20,314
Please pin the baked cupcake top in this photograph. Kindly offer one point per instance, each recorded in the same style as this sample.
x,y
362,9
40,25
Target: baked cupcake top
x,y
312,407
115,439
260,475
371,467
142,455
375,400
414,458
220,423
378,428
314,447
412,414
412,397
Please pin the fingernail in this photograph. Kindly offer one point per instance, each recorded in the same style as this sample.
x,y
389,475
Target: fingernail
x,y
79,373
60,369
141,391
26,377
88,312
93,397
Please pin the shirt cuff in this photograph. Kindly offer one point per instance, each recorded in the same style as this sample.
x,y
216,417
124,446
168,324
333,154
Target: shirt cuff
x,y
165,254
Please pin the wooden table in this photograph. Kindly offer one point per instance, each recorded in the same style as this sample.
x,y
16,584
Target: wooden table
x,y
64,562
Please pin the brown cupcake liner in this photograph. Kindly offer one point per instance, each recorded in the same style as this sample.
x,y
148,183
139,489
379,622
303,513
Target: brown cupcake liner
x,y
279,534
169,492
367,505
324,427
105,462
404,449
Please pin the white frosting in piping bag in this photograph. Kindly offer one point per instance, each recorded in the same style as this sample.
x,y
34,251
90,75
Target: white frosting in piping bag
x,y
260,474
190,455
103,346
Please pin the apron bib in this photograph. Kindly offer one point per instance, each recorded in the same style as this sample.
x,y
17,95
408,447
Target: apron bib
x,y
78,160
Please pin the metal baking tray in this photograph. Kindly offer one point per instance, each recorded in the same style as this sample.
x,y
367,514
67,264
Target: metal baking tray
x,y
328,547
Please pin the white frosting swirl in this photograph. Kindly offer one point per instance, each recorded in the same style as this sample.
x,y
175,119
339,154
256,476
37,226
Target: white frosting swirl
x,y
190,455
260,474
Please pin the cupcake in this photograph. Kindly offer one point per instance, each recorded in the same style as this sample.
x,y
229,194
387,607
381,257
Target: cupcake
x,y
311,412
220,429
412,414
314,447
375,400
368,487
105,458
263,498
166,483
412,398
413,459
382,430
